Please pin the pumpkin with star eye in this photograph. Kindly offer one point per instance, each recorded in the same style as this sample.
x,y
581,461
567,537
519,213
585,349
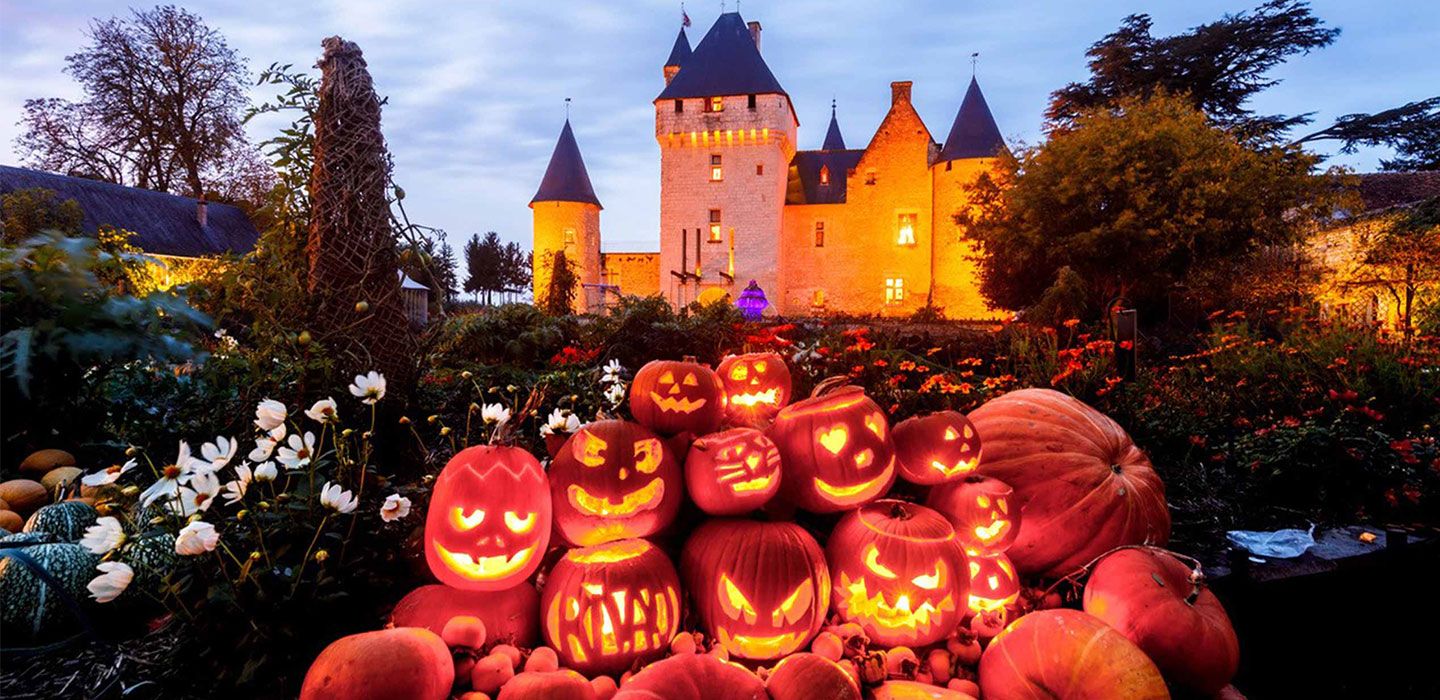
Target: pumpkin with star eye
x,y
672,397
489,519
994,585
899,572
983,511
757,386
613,480
732,472
836,449
936,448
761,589
608,606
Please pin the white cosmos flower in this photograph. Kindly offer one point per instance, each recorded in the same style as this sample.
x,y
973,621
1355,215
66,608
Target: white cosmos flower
x,y
560,421
198,496
196,538
114,578
265,444
235,490
494,413
337,499
102,537
610,373
215,455
394,508
298,451
266,471
270,414
109,475
171,477
324,411
615,394
369,387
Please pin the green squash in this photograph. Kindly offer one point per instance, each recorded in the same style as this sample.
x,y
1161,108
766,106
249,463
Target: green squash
x,y
34,608
67,520
152,556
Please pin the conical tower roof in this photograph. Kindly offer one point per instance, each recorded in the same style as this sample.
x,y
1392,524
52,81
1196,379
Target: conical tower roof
x,y
725,62
680,51
566,179
974,133
833,140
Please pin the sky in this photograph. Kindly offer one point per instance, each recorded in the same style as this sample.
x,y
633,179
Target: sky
x,y
476,90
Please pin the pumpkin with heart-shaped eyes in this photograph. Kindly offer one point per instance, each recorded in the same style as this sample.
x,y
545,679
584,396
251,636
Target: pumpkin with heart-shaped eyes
x,y
898,572
761,589
983,511
836,449
732,472
613,480
672,397
757,386
489,519
936,448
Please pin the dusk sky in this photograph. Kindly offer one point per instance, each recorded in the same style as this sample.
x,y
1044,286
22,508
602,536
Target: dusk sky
x,y
476,92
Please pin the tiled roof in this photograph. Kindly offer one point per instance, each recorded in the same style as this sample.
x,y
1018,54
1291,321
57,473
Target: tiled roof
x,y
566,179
804,185
974,134
1385,190
680,51
725,62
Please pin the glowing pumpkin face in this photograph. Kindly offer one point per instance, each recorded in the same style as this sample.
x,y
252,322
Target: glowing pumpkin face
x,y
613,480
981,509
674,397
899,573
733,472
489,519
993,583
836,449
757,386
608,606
760,588
936,448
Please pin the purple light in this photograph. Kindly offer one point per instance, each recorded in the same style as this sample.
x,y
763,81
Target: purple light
x,y
752,302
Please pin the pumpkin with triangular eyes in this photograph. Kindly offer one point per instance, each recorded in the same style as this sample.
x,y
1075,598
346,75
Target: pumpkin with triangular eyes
x,y
614,480
757,386
673,397
836,449
762,589
983,511
489,519
994,585
732,472
937,447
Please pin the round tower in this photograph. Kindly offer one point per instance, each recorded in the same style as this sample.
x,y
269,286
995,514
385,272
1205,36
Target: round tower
x,y
972,148
567,220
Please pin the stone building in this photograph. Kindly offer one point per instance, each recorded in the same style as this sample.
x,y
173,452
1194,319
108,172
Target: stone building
x,y
833,230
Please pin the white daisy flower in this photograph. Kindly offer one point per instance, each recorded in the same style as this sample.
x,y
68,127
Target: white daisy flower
x,y
335,498
196,538
104,536
265,444
171,477
266,471
324,411
270,414
394,508
298,451
369,388
114,578
215,455
235,490
494,413
109,475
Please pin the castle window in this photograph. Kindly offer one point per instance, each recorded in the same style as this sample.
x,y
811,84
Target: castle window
x,y
905,227
824,174
679,106
714,225
715,104
894,290
817,300
870,176
716,172
751,102
819,234
569,236
759,168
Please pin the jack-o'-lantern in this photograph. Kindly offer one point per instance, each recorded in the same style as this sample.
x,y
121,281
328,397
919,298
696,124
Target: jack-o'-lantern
x,y
608,606
489,519
993,583
836,449
983,511
732,472
757,386
613,480
899,573
936,448
761,589
672,397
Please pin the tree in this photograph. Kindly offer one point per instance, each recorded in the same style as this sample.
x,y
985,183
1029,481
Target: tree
x,y
1413,130
560,293
1401,255
1132,199
494,267
163,96
29,211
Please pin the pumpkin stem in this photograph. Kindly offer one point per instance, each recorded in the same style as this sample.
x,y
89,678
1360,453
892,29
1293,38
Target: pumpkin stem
x,y
828,385
688,358
1197,573
898,511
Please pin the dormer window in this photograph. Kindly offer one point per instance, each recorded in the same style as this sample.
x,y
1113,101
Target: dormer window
x,y
824,174
715,104
717,173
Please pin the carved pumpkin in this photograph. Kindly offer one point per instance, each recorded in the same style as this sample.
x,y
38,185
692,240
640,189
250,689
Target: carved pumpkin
x,y
672,397
993,583
936,447
608,606
1085,488
761,589
757,386
733,472
511,616
836,449
394,664
983,511
1150,597
899,573
489,519
1067,655
693,677
613,480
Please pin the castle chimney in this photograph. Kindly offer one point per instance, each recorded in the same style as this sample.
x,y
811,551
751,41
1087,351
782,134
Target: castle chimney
x,y
754,33
201,215
900,91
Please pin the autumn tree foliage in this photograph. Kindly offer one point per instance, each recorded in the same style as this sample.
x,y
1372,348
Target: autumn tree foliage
x,y
1400,252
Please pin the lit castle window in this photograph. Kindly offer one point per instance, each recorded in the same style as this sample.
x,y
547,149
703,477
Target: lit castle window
x,y
906,230
717,173
714,225
894,290
824,174
715,104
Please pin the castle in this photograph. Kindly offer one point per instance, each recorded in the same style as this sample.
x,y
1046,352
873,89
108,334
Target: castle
x,y
833,230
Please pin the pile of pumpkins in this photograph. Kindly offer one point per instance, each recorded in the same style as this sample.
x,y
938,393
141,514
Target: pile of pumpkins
x,y
560,583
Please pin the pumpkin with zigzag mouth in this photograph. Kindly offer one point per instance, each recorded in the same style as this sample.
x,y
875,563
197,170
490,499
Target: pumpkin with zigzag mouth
x,y
489,519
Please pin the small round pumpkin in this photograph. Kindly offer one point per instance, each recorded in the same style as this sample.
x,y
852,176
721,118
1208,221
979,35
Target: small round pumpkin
x,y
983,511
392,664
10,521
24,496
732,472
614,480
804,676
511,615
42,462
757,386
1067,655
914,690
60,478
936,447
489,519
836,449
693,677
1085,488
563,684
1150,597
672,397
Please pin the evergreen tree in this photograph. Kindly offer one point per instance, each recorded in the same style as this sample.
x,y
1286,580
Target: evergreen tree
x,y
560,293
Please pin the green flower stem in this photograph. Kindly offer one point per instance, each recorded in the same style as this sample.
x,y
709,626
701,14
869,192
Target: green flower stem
x,y
299,573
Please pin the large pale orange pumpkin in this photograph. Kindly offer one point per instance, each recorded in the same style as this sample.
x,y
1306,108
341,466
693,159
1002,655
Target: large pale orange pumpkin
x,y
1085,488
1149,597
806,676
563,684
693,677
511,616
395,664
1067,655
